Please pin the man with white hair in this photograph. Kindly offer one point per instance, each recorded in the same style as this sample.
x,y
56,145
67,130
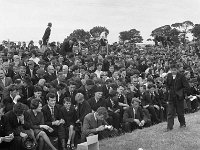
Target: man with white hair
x,y
50,76
67,75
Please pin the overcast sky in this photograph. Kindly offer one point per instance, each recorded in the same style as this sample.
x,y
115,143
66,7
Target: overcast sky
x,y
26,20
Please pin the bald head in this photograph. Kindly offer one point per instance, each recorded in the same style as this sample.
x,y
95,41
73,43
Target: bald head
x,y
79,98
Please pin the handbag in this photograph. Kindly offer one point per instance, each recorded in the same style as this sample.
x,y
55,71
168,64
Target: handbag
x,y
29,143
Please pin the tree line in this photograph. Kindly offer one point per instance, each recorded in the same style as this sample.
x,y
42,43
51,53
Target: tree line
x,y
175,33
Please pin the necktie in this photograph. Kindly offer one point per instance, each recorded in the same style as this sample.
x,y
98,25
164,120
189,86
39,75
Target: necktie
x,y
52,114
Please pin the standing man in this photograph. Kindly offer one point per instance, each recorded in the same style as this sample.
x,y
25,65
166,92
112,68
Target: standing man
x,y
46,35
177,86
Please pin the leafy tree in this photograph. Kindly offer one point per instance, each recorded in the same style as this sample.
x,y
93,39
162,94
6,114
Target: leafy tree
x,y
165,31
196,31
161,31
80,35
184,28
133,36
96,31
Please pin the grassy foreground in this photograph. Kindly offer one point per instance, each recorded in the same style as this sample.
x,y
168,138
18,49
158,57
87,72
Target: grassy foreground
x,y
154,138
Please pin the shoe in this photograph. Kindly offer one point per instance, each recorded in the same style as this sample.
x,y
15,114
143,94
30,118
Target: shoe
x,y
168,129
183,126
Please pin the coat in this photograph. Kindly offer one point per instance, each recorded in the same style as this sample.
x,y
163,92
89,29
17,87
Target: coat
x,y
180,87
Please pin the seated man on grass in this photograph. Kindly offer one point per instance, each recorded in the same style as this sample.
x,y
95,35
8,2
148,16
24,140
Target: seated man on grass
x,y
134,117
94,123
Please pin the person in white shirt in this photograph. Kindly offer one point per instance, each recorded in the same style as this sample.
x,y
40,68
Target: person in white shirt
x,y
98,72
33,57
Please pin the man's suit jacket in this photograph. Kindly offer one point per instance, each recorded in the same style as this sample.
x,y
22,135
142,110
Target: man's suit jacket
x,y
18,76
8,102
47,114
9,73
105,91
83,109
95,105
8,81
49,77
27,92
178,87
147,99
54,83
90,124
46,34
129,115
12,124
66,48
87,94
28,72
67,94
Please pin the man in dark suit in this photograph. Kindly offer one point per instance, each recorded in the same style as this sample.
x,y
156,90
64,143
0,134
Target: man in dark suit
x,y
67,47
50,75
22,74
51,113
5,82
58,80
88,89
27,89
46,35
6,140
61,89
114,109
151,102
18,123
12,98
177,86
71,91
94,123
134,117
31,69
8,70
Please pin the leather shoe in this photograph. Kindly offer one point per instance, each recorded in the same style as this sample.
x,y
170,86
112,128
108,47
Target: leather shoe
x,y
183,126
167,130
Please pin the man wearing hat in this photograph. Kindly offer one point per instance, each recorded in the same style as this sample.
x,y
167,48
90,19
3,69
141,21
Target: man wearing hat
x,y
134,117
178,88
47,33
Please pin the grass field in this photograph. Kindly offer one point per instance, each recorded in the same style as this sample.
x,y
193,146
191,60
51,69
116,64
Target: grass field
x,y
154,138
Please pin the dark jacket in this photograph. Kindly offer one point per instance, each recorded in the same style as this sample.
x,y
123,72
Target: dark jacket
x,y
178,87
95,105
83,109
12,124
47,114
46,34
129,115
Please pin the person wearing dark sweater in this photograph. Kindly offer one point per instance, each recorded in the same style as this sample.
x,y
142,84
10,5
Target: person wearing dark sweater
x,y
37,124
68,114
5,139
97,101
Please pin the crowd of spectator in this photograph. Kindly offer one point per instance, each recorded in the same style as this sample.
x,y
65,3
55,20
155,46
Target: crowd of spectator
x,y
51,94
